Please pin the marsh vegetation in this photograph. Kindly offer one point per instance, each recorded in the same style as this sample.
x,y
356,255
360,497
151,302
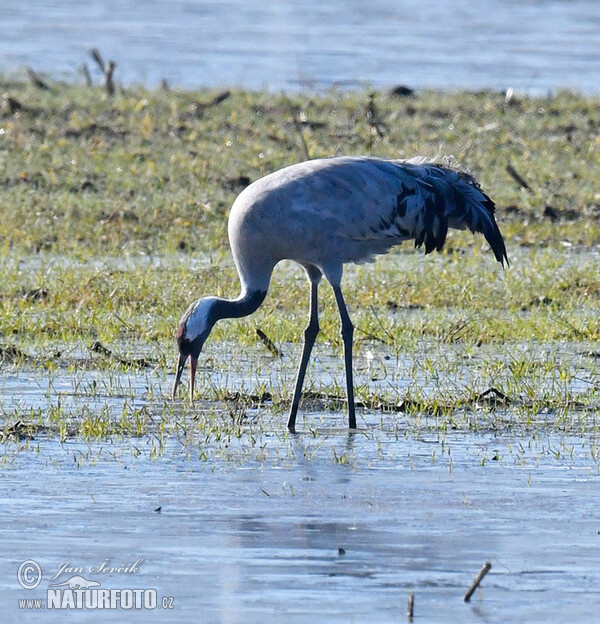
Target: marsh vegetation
x,y
114,218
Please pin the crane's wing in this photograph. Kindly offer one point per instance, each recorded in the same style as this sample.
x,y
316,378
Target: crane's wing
x,y
380,203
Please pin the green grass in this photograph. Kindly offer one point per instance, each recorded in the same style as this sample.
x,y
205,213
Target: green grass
x,y
153,172
114,216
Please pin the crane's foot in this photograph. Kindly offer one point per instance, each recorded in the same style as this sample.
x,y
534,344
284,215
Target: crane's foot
x,y
291,423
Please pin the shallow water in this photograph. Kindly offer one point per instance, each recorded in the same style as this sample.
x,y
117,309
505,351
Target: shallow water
x,y
432,371
532,46
251,520
255,543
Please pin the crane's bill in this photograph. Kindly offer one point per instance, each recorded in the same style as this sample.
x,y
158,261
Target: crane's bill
x,y
180,367
193,364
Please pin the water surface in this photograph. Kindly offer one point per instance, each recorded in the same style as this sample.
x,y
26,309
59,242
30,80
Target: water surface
x,y
534,45
252,544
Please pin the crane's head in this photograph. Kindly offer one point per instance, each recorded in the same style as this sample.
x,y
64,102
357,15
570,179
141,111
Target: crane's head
x,y
194,328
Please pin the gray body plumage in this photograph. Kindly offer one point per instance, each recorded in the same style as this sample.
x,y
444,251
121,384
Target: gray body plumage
x,y
332,211
323,214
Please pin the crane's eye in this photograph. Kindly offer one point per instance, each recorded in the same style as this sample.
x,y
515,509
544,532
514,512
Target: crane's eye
x,y
185,346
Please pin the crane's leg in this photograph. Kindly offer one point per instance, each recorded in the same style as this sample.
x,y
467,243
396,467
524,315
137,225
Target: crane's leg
x,y
310,335
347,335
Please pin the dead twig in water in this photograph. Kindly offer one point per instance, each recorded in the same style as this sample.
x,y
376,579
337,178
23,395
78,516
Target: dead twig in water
x,y
411,607
383,329
100,349
492,395
268,342
370,336
453,334
11,353
20,430
581,335
475,584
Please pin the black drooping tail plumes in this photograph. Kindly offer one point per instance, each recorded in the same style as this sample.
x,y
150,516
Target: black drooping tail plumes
x,y
456,200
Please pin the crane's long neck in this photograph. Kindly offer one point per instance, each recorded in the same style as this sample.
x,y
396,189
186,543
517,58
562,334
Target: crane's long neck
x,y
254,274
247,303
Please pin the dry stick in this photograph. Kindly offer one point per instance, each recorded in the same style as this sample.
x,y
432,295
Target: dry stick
x,y
492,394
220,97
109,85
517,178
454,331
36,79
572,327
385,331
484,570
268,342
98,58
98,347
107,69
371,336
411,606
86,74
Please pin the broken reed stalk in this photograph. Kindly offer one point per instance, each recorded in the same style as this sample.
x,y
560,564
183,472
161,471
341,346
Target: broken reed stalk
x,y
410,611
86,74
268,342
475,584
492,395
107,69
200,107
10,352
36,79
303,142
98,347
220,97
95,53
377,126
514,174
109,84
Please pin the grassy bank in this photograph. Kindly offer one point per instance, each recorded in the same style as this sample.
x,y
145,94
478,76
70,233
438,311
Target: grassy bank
x,y
156,172
114,214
